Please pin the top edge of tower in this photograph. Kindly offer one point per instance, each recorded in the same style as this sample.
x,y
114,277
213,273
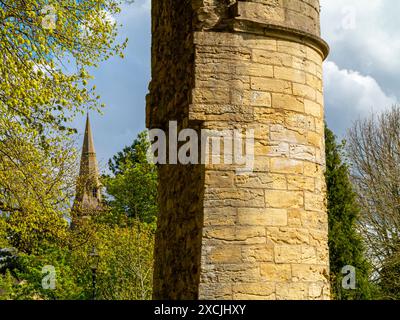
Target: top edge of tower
x,y
296,18
303,15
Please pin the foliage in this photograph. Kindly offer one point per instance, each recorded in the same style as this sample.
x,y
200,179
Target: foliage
x,y
345,243
133,188
24,281
374,149
126,262
125,249
44,73
124,270
47,47
35,188
389,281
136,153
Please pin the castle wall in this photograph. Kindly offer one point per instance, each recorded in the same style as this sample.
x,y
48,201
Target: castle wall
x,y
250,65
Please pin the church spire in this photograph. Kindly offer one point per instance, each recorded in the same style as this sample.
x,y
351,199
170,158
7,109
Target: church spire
x,y
88,145
88,193
88,158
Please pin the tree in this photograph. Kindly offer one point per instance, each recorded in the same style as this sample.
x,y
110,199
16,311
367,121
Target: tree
x,y
136,153
345,243
125,252
374,150
132,189
47,49
35,190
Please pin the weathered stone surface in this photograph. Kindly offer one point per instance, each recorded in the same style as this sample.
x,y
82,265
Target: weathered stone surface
x,y
280,165
292,291
276,272
230,64
288,235
258,253
262,217
295,254
220,216
254,291
261,180
302,272
284,199
226,254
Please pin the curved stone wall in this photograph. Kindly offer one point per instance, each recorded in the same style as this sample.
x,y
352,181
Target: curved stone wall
x,y
227,64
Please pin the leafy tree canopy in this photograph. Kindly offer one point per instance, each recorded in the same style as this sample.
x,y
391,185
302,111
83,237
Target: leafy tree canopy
x,y
345,243
132,189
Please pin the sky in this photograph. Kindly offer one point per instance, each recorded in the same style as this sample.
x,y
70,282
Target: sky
x,y
361,74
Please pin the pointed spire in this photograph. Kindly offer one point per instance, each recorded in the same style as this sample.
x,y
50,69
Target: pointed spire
x,y
88,194
88,144
88,159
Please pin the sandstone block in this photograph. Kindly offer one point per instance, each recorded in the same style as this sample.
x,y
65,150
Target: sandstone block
x,y
280,165
292,48
302,272
313,108
254,69
262,217
287,102
258,253
302,152
284,199
260,98
288,235
271,85
289,74
261,180
295,254
314,202
292,291
225,254
279,132
220,216
259,11
276,272
252,235
271,58
254,291
297,182
314,81
304,91
215,291
222,197
236,273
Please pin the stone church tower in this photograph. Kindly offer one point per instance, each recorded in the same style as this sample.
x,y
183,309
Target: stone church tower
x,y
242,64
88,191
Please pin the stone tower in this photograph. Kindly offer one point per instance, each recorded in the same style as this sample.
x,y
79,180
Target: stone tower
x,y
88,190
240,64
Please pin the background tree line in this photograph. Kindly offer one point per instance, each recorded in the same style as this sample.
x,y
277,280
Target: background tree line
x,y
48,49
363,186
122,233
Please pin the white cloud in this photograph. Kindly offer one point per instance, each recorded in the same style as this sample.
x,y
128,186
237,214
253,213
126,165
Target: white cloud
x,y
350,86
370,43
363,73
350,95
